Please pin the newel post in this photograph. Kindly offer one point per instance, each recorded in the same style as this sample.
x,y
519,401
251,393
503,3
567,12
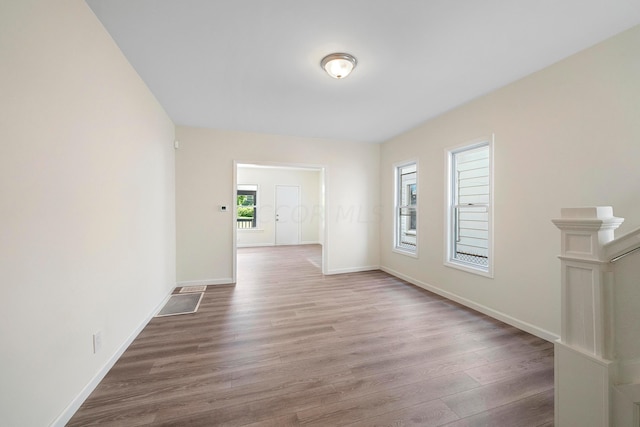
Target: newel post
x,y
583,369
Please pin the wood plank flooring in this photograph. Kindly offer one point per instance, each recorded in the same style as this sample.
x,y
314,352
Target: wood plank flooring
x,y
288,346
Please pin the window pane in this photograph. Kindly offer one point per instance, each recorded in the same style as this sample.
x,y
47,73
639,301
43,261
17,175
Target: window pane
x,y
472,238
469,240
407,236
406,207
408,185
246,199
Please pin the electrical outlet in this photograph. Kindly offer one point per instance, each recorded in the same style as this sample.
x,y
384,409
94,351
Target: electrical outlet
x,y
97,341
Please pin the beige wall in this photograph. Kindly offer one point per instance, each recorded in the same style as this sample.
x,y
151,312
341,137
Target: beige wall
x,y
87,182
566,136
204,181
309,214
87,241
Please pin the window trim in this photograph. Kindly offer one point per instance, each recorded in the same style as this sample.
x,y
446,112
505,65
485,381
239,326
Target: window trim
x,y
449,261
396,206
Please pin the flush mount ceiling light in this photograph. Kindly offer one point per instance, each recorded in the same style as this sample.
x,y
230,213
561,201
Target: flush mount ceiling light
x,y
338,65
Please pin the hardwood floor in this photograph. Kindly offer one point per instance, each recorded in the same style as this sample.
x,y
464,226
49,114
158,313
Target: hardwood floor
x,y
288,346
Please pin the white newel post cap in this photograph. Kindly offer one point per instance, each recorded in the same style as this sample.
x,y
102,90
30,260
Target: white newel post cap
x,y
585,230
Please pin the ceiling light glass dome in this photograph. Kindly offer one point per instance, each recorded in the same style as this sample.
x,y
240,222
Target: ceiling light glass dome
x,y
339,65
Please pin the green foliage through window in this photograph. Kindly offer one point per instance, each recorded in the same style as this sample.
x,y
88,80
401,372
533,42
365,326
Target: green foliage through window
x,y
245,212
246,201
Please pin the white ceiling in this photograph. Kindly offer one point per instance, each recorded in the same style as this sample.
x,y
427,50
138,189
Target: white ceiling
x,y
254,65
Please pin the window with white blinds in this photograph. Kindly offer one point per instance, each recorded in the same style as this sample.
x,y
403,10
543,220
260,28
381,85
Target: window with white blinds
x,y
469,237
406,208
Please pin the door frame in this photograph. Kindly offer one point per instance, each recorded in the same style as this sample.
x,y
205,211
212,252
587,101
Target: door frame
x,y
324,227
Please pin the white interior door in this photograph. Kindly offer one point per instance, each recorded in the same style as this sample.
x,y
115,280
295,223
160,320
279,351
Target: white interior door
x,y
287,215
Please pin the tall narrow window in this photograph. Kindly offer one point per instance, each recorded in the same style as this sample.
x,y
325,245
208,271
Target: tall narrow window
x,y
406,208
469,235
247,199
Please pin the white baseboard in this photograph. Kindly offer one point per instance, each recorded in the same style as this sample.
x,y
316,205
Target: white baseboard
x,y
223,281
254,245
265,245
353,270
75,404
527,327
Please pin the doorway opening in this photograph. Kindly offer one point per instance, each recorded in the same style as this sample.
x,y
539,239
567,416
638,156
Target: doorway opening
x,y
279,205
